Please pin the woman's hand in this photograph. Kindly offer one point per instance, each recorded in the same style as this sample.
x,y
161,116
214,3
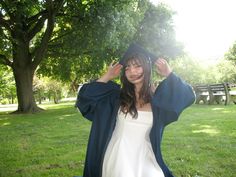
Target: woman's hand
x,y
112,72
163,67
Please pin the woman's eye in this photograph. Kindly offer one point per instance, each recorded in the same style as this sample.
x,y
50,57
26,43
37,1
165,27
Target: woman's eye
x,y
133,66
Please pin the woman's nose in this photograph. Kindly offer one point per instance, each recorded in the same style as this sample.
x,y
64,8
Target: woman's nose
x,y
132,69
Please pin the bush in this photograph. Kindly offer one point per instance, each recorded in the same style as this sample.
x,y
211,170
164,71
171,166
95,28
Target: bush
x,y
4,101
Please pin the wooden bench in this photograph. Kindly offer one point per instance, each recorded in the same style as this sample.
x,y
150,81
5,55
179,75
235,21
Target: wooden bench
x,y
202,93
232,92
222,92
215,93
219,93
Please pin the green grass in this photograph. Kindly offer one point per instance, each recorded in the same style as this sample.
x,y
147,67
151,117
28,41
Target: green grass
x,y
203,142
53,143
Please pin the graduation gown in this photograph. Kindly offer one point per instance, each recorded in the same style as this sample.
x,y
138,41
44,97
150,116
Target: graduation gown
x,y
99,103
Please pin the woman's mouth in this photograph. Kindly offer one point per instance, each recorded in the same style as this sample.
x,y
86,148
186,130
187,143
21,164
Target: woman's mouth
x,y
136,77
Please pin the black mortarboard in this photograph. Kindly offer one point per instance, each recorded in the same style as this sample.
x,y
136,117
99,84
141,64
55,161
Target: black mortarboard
x,y
135,49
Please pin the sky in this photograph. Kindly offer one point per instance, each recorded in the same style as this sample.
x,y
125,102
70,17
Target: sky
x,y
207,28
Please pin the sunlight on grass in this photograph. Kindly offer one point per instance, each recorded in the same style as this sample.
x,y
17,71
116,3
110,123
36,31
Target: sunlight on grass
x,y
226,111
6,123
216,109
4,118
207,130
66,116
56,106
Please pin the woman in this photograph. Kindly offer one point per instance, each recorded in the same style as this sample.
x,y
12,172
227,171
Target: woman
x,y
128,122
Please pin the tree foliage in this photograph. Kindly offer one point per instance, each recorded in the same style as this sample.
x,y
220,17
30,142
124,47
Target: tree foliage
x,y
227,71
73,40
195,72
231,54
103,37
7,85
47,89
28,27
156,32
80,59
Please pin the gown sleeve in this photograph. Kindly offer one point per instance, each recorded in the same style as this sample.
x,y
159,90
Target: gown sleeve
x,y
172,96
92,93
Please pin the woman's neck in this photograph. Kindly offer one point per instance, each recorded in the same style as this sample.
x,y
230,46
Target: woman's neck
x,y
137,95
139,100
145,107
140,103
137,88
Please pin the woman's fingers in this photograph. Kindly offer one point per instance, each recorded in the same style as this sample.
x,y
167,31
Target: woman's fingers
x,y
163,67
161,61
114,69
111,64
117,67
114,64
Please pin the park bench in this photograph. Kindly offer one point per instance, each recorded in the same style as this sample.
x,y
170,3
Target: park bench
x,y
215,93
202,93
232,92
218,93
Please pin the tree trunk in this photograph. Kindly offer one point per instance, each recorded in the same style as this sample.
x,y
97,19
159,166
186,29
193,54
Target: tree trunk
x,y
40,97
12,98
24,90
55,97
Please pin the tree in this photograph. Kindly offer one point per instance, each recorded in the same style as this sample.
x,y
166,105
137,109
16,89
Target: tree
x,y
27,28
75,38
110,36
195,72
231,54
227,71
54,90
156,32
39,88
102,38
7,85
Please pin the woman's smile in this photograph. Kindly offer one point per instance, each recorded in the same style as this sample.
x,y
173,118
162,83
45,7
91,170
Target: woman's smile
x,y
135,77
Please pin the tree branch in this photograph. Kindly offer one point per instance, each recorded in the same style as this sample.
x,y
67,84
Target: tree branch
x,y
35,17
38,26
5,61
42,48
61,36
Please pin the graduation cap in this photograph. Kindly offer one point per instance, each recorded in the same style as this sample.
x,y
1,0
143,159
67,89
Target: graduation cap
x,y
135,49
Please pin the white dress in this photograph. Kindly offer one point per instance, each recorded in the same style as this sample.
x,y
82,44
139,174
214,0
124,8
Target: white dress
x,y
129,152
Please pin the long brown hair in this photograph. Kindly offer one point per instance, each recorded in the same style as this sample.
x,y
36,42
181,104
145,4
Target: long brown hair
x,y
128,97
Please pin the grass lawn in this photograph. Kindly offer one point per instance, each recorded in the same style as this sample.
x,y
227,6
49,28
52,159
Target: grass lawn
x,y
53,143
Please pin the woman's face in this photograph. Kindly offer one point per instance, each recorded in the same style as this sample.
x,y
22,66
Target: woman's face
x,y
134,72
